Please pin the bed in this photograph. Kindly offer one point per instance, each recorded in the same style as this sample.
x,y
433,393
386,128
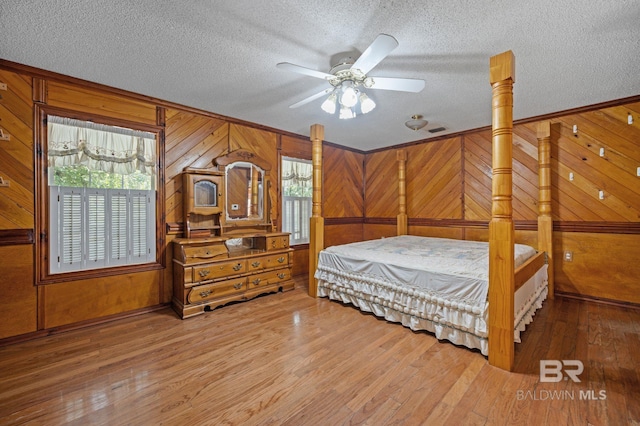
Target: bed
x,y
434,284
491,324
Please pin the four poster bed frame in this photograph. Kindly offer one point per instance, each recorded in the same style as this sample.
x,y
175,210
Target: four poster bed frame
x,y
504,279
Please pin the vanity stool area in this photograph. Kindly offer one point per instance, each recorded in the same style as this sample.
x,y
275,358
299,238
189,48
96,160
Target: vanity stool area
x,y
231,250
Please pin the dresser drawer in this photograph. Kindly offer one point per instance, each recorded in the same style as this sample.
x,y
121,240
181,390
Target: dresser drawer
x,y
280,242
203,293
273,242
266,278
202,253
267,262
212,271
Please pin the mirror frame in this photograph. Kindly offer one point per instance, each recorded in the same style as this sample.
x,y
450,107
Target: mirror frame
x,y
245,156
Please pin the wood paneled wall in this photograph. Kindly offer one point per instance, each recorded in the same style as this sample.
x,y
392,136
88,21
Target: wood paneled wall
x,y
191,138
449,195
342,197
18,296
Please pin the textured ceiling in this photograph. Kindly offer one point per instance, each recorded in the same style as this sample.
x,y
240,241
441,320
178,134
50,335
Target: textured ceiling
x,y
220,56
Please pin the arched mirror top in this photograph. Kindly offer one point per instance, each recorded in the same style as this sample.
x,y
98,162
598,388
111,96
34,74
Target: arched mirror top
x,y
246,182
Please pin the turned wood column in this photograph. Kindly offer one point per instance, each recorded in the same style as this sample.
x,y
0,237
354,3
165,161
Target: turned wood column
x,y
545,221
401,155
501,229
316,225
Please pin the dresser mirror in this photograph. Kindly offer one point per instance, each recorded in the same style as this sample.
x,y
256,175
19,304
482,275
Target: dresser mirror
x,y
245,191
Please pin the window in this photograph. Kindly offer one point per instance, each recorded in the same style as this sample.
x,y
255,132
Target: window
x,y
297,189
102,198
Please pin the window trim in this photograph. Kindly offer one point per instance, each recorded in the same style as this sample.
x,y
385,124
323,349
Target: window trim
x,y
42,219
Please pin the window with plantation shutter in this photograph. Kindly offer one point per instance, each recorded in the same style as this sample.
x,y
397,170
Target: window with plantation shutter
x,y
85,233
297,191
102,198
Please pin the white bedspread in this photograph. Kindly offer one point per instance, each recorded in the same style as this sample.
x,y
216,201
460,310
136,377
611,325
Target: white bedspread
x,y
433,284
423,264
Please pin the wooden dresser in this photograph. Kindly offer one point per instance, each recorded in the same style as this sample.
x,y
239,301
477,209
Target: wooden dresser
x,y
210,272
232,251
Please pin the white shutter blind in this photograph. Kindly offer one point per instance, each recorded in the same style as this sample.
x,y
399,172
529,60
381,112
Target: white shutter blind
x,y
96,227
71,229
118,227
139,225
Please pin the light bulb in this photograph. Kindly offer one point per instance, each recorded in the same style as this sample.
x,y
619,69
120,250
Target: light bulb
x,y
349,96
346,113
329,104
366,103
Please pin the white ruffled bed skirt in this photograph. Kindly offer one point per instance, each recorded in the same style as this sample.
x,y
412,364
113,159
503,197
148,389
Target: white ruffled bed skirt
x,y
456,322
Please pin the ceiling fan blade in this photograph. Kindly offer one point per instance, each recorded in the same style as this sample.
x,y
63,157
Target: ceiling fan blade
x,y
376,52
400,84
302,70
312,98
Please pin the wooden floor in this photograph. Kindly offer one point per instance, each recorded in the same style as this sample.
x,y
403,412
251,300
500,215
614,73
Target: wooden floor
x,y
289,359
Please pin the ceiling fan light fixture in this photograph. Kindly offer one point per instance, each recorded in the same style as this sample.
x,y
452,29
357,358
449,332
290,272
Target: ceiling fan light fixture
x,y
349,97
329,104
366,103
416,123
346,113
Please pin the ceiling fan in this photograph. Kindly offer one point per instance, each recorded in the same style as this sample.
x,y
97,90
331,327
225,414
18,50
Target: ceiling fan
x,y
348,78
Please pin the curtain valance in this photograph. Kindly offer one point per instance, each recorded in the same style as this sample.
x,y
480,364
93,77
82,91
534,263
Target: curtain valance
x,y
297,173
100,147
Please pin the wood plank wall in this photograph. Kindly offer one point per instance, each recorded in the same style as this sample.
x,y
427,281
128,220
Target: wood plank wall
x,y
17,208
449,195
192,138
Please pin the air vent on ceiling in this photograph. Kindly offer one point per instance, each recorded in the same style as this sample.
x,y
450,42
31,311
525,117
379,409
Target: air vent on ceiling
x,y
437,129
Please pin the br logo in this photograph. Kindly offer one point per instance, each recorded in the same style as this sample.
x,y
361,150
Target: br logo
x,y
553,370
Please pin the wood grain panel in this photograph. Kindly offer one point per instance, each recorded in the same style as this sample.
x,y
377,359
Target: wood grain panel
x,y
76,301
18,303
264,144
16,155
614,173
381,184
374,231
343,183
434,180
477,174
190,141
603,266
342,234
295,147
92,101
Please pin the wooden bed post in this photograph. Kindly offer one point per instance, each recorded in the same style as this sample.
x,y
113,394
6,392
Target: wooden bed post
x,y
401,155
316,224
501,229
545,221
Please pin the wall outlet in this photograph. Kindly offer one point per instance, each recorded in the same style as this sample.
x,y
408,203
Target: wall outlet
x,y
568,256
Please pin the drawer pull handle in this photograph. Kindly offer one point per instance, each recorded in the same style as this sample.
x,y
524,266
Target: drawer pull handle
x,y
205,293
255,264
281,275
237,286
203,273
237,267
256,281
273,243
280,259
